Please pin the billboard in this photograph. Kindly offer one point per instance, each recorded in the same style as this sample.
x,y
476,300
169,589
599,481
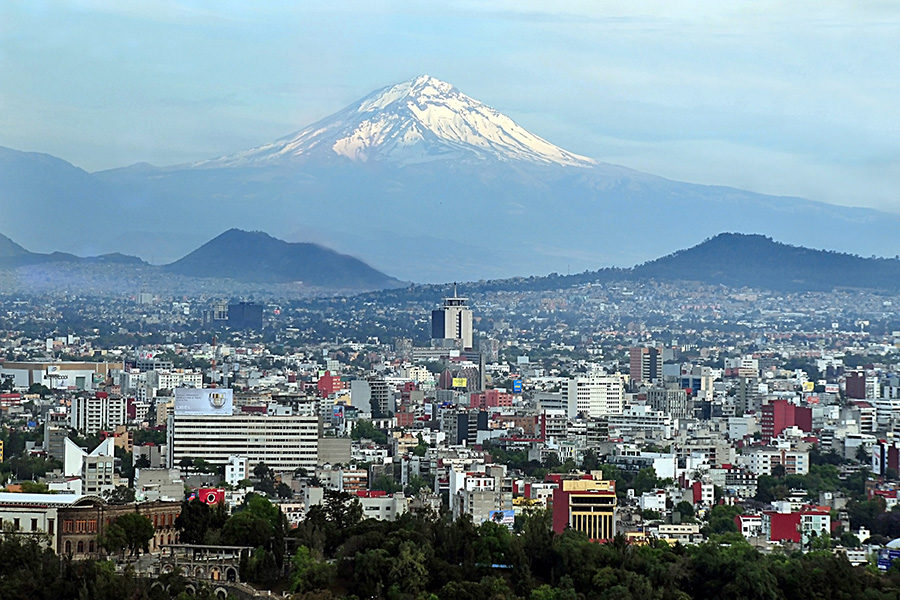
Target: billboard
x,y
517,386
808,386
209,496
460,382
206,401
503,517
832,388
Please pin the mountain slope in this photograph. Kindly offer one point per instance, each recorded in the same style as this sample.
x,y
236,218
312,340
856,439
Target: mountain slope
x,y
423,182
739,260
10,249
13,255
258,257
414,121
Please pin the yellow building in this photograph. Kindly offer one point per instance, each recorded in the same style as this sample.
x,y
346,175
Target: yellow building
x,y
586,505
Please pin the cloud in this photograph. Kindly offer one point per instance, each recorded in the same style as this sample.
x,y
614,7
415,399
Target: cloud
x,y
803,91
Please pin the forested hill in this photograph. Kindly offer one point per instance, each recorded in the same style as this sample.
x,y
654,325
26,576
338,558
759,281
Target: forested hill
x,y
757,261
732,259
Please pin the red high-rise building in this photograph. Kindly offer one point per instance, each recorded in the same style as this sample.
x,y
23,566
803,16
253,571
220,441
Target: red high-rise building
x,y
778,415
646,364
855,384
329,384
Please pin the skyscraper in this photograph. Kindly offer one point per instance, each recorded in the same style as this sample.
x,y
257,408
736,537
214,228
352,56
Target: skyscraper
x,y
452,323
646,364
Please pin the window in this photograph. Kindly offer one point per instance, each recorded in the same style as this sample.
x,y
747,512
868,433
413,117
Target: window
x,y
50,526
16,524
34,525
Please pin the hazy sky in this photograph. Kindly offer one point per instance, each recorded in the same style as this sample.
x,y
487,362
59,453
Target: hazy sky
x,y
795,98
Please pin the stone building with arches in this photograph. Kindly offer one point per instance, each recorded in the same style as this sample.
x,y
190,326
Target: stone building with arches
x,y
82,524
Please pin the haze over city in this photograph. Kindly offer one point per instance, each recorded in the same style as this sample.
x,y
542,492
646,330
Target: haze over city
x,y
442,301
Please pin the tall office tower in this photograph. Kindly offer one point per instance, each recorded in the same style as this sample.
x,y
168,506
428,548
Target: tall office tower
x,y
646,364
245,315
596,396
747,397
452,323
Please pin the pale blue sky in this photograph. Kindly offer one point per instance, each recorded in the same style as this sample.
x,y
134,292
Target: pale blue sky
x,y
795,98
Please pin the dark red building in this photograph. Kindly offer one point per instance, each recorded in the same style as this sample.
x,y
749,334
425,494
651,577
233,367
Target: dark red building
x,y
329,384
781,414
855,384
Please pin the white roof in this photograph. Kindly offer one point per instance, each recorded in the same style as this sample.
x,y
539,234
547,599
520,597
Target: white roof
x,y
12,498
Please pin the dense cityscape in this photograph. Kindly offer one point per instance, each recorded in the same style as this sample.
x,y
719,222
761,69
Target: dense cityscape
x,y
457,300
246,445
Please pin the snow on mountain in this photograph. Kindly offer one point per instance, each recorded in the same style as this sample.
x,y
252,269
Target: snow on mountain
x,y
416,121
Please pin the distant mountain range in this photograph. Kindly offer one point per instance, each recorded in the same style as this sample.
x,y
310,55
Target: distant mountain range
x,y
13,255
242,256
734,260
265,263
254,256
419,180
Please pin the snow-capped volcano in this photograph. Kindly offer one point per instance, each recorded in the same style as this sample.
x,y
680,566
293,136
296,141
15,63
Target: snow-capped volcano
x,y
421,120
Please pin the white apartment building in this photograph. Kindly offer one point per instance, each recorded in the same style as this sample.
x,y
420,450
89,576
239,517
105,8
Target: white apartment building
x,y
176,378
761,461
283,442
640,420
91,415
235,470
386,507
595,396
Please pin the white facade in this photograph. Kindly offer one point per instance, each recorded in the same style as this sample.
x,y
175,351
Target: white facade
x,y
595,396
169,380
92,415
655,500
34,514
640,420
283,442
761,461
235,470
384,508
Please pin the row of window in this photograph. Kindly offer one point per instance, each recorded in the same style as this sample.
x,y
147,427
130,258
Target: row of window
x,y
79,526
17,525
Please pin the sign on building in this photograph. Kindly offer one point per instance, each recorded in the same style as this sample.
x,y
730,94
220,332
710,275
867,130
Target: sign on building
x,y
206,401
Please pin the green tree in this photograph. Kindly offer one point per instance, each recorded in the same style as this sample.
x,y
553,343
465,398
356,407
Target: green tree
x,y
386,483
721,519
364,429
686,509
121,494
194,521
645,481
132,531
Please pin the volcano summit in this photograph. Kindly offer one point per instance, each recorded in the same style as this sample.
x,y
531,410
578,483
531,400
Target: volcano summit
x,y
420,181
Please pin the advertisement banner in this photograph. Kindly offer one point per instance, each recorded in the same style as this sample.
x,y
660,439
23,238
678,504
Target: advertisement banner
x,y
206,401
503,517
460,382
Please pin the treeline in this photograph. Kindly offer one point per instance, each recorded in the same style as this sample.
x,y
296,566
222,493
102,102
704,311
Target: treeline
x,y
339,555
335,553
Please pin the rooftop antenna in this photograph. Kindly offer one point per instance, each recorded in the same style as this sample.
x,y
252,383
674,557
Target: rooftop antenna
x,y
454,290
215,353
